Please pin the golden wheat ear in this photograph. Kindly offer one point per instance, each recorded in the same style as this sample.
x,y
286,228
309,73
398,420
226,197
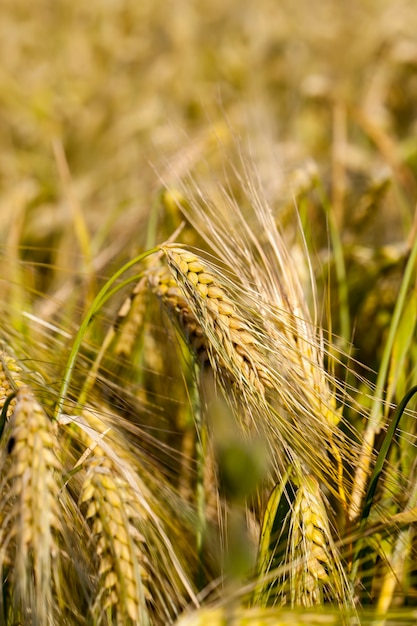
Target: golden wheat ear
x,y
111,511
30,522
286,380
122,585
210,319
138,571
317,573
298,561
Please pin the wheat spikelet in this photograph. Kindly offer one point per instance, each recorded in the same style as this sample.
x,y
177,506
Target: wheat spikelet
x,y
29,509
210,318
10,380
164,285
118,546
316,570
127,526
129,320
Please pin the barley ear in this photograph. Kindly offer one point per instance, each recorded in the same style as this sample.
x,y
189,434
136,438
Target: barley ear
x,y
213,321
29,518
121,591
127,527
317,574
10,381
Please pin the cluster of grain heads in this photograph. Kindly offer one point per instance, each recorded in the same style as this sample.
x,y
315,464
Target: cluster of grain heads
x,y
267,356
30,471
140,578
86,535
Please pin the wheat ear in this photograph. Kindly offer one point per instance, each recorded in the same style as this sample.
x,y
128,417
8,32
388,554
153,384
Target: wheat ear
x,y
113,516
257,350
316,570
118,545
126,529
209,318
231,336
29,513
10,381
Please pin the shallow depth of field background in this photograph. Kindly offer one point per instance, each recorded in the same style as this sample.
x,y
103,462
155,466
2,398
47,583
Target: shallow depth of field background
x,y
117,88
102,101
98,98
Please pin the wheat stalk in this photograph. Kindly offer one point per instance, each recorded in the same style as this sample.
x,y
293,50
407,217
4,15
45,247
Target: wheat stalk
x,y
29,518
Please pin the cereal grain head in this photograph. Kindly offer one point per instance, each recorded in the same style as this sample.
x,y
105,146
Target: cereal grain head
x,y
30,522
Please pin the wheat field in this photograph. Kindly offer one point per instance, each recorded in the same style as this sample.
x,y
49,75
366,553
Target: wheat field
x,y
208,349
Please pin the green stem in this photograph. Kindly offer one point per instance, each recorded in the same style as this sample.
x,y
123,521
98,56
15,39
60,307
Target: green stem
x,y
375,418
373,482
339,261
201,444
374,423
104,294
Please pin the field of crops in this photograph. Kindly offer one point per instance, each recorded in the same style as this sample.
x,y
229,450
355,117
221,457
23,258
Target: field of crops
x,y
208,346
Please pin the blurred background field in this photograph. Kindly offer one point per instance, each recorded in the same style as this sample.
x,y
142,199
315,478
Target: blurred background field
x,y
103,103
97,99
